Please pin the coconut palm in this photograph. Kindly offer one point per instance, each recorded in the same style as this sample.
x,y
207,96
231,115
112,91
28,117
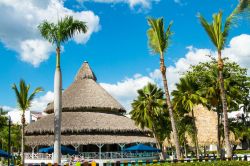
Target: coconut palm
x,y
24,100
158,41
218,33
57,34
147,110
187,95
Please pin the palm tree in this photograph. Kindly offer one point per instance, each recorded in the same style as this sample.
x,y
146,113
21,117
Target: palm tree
x,y
218,34
187,95
58,34
147,110
185,126
158,40
24,101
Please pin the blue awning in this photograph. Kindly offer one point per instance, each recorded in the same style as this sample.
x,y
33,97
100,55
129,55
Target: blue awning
x,y
141,148
4,154
64,150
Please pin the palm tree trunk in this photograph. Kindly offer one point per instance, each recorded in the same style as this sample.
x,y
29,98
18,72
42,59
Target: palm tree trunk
x,y
195,136
22,146
57,109
185,148
158,145
170,108
224,106
218,132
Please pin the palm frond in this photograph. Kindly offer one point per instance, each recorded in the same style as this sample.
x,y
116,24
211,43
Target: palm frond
x,y
68,27
22,95
48,31
158,40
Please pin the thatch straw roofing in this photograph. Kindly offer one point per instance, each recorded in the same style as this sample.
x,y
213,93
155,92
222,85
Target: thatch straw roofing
x,y
48,140
86,122
206,123
85,93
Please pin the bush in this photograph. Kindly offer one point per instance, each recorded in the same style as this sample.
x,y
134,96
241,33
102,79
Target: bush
x,y
241,151
215,163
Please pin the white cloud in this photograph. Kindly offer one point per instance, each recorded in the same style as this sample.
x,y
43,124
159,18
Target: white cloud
x,y
125,91
35,51
146,4
19,21
38,104
239,50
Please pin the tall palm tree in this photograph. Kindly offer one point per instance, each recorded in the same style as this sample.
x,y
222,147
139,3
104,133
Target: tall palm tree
x,y
147,110
57,34
158,41
187,95
24,101
218,33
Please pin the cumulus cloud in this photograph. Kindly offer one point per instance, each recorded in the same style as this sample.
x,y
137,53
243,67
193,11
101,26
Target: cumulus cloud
x,y
125,91
146,4
38,104
19,21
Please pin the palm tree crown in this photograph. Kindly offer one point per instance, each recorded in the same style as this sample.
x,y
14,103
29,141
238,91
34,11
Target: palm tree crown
x,y
62,31
158,39
22,95
187,94
148,105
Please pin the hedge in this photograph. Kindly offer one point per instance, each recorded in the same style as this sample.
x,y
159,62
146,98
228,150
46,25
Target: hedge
x,y
215,163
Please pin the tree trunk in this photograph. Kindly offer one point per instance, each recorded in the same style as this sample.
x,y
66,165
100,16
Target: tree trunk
x,y
22,146
185,148
170,108
218,132
57,109
224,106
158,145
195,136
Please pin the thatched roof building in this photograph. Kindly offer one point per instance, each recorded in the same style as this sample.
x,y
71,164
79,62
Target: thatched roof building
x,y
89,116
206,123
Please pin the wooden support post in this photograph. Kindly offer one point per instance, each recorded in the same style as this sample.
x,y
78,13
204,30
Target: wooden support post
x,y
100,150
122,146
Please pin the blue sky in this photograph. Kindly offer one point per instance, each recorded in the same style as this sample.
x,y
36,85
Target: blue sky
x,y
115,47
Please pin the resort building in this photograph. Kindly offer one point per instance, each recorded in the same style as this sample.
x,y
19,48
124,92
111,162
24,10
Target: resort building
x,y
93,121
30,116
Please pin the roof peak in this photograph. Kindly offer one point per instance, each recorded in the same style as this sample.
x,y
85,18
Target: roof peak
x,y
85,72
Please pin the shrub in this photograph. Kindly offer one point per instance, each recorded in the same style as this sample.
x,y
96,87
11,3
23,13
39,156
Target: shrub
x,y
215,163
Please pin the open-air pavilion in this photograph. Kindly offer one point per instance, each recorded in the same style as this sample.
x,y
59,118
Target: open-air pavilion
x,y
93,122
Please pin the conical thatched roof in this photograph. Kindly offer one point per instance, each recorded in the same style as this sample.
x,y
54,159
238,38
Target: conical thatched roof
x,y
89,116
87,128
85,93
86,122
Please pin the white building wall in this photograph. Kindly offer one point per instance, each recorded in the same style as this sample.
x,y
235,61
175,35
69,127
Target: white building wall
x,y
17,115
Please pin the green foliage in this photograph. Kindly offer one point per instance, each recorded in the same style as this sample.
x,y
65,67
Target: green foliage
x,y
22,95
4,133
237,83
218,32
214,163
237,87
148,111
158,39
62,31
241,151
3,118
187,95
